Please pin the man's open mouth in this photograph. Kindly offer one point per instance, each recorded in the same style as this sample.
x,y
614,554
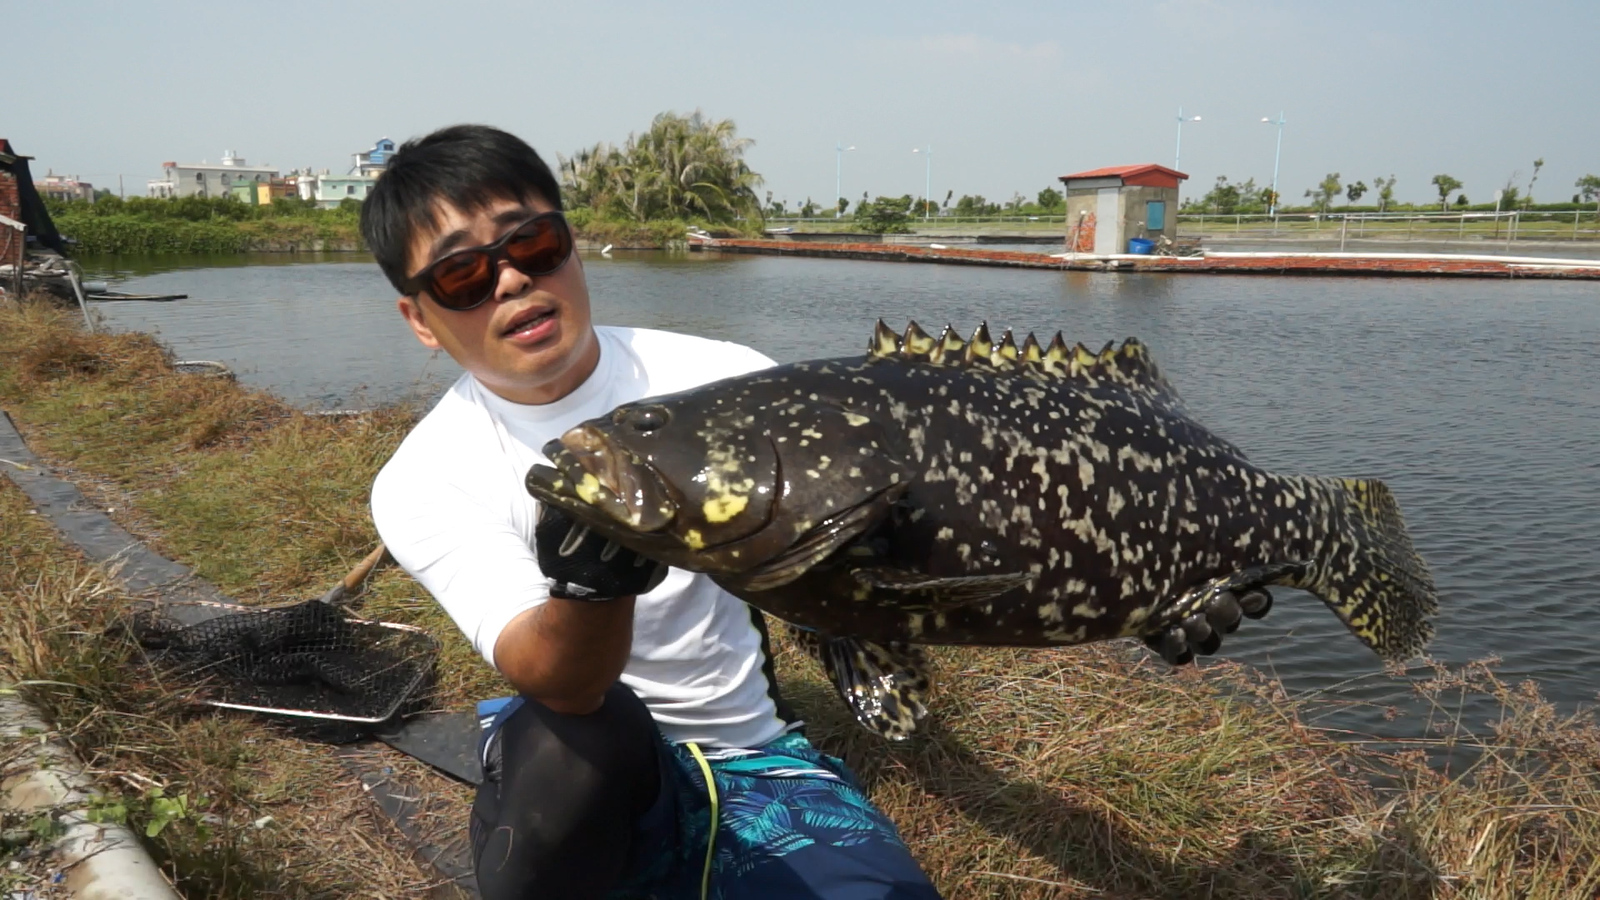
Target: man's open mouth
x,y
529,319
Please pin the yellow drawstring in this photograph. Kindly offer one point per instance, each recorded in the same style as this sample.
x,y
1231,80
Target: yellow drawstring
x,y
711,839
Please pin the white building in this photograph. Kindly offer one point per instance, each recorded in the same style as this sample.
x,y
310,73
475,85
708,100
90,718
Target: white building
x,y
330,190
203,179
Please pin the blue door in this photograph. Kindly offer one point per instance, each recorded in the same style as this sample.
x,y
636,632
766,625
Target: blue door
x,y
1155,215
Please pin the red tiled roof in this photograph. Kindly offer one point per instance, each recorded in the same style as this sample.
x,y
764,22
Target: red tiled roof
x,y
1126,172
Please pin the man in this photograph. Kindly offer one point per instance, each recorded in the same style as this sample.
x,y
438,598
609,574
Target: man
x,y
648,752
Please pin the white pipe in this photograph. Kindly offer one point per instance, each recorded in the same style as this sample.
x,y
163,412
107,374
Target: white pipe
x,y
99,859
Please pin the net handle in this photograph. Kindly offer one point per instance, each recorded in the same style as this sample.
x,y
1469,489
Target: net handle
x,y
341,593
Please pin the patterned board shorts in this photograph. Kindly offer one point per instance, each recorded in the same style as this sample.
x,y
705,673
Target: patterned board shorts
x,y
791,822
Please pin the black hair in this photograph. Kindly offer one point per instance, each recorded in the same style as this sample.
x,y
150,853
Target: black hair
x,y
467,166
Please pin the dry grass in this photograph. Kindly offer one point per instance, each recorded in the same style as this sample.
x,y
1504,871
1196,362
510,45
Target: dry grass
x,y
1086,772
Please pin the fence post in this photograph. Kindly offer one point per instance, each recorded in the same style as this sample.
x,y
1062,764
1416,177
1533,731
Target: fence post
x,y
1575,224
1462,231
1344,227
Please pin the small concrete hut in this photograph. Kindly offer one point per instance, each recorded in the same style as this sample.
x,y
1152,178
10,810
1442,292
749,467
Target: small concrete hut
x,y
1106,207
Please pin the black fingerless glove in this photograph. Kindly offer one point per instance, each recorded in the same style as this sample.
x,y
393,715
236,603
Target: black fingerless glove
x,y
582,565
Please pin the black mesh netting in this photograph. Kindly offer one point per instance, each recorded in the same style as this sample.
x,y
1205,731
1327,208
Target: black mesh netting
x,y
307,660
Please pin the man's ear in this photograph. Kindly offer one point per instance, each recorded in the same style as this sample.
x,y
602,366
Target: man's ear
x,y
412,311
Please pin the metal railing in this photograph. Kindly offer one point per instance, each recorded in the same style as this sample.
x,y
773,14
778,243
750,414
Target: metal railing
x,y
1510,226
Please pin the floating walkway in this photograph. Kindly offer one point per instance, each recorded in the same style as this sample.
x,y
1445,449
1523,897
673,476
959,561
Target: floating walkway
x,y
1216,263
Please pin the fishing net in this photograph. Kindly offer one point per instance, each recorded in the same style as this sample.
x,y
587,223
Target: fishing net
x,y
308,662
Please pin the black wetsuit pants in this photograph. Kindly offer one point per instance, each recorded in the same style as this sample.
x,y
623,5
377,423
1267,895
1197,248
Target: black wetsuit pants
x,y
559,820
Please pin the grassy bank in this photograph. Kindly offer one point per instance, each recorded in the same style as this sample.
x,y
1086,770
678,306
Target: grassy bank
x,y
225,225
1085,772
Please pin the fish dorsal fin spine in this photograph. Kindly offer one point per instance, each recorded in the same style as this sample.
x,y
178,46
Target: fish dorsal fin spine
x,y
916,345
1082,359
949,347
1056,356
1005,353
981,346
1132,362
1031,355
885,343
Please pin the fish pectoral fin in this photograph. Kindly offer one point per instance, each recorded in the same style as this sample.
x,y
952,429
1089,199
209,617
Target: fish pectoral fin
x,y
940,593
885,684
814,546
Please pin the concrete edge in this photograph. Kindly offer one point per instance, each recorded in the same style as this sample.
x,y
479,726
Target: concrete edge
x,y
102,861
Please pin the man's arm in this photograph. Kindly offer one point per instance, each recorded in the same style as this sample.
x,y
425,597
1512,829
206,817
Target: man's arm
x,y
567,653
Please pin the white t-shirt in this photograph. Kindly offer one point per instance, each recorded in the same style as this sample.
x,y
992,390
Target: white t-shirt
x,y
452,508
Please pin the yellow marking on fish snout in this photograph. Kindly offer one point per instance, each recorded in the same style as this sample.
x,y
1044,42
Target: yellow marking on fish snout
x,y
720,509
693,540
588,489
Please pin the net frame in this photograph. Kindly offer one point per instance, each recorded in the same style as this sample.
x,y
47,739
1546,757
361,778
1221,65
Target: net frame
x,y
197,612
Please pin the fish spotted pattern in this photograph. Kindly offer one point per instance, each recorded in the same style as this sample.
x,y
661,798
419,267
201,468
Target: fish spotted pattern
x,y
941,491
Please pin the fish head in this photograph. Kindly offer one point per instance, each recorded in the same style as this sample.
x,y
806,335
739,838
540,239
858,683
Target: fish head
x,y
704,483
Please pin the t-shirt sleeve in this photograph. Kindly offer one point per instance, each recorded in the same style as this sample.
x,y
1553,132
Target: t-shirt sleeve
x,y
469,555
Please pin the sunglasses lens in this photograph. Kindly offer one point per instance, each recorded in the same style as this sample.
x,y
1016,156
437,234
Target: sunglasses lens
x,y
461,281
465,279
540,247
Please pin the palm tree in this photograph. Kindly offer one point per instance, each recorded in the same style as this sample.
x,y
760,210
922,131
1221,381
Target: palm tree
x,y
682,167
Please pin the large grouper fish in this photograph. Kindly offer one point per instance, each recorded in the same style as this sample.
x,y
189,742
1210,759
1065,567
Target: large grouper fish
x,y
941,491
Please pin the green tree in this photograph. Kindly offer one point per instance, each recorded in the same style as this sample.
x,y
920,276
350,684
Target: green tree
x,y
1324,192
976,205
1462,201
1049,199
1446,185
886,215
1589,189
1385,189
682,167
1355,190
843,206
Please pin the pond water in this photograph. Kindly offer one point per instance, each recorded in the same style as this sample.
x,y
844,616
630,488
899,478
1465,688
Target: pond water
x,y
1476,400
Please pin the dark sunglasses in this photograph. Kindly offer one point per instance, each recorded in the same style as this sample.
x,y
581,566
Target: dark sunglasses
x,y
466,279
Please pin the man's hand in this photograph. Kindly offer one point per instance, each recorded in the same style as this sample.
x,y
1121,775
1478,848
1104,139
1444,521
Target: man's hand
x,y
1202,632
582,565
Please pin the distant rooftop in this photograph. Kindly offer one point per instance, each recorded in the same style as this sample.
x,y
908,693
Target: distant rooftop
x,y
1128,172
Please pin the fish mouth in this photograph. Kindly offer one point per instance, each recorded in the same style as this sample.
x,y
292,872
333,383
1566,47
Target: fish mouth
x,y
589,471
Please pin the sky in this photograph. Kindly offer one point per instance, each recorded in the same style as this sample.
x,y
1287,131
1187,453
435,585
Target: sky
x,y
1008,95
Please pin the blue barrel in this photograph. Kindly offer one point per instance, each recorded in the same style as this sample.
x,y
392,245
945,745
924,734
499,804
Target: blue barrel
x,y
1140,246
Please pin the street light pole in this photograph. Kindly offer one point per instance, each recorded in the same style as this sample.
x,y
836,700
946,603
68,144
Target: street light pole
x,y
1177,154
927,185
838,174
1272,208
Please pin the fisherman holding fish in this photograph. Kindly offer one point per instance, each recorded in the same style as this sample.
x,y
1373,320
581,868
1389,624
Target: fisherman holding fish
x,y
648,740
648,750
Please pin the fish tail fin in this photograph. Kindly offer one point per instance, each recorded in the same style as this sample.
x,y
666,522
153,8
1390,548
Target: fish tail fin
x,y
1370,575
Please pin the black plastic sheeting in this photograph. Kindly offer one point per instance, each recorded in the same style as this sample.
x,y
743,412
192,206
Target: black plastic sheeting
x,y
34,214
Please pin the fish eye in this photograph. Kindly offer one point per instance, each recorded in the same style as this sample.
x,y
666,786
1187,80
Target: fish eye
x,y
646,419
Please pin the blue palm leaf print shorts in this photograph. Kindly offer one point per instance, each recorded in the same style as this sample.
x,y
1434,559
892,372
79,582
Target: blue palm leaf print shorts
x,y
792,823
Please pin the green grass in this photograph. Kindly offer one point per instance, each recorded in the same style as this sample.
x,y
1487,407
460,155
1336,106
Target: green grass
x,y
1076,772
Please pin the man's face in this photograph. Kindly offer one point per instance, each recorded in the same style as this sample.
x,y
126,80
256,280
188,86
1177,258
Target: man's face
x,y
533,341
